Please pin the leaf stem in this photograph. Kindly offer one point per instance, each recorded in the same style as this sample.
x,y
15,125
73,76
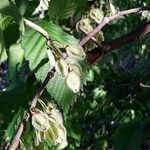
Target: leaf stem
x,y
15,139
41,89
37,28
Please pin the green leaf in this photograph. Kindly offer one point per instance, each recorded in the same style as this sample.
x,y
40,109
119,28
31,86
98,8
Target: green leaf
x,y
61,9
9,8
61,93
42,71
35,51
35,48
57,87
3,54
35,45
4,21
15,59
57,33
128,136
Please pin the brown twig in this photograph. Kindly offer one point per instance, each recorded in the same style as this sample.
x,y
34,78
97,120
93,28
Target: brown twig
x,y
92,38
51,45
15,139
40,90
106,20
128,38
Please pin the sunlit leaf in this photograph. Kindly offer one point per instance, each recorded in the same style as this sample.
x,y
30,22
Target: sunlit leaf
x,y
35,45
4,21
61,9
57,87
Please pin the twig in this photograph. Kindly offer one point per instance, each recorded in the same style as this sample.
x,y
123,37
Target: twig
x,y
106,20
94,54
15,139
144,85
92,38
56,49
40,90
128,38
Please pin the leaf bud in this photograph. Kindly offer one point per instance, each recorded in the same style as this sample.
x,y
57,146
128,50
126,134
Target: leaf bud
x,y
75,51
76,68
73,81
96,14
61,67
85,25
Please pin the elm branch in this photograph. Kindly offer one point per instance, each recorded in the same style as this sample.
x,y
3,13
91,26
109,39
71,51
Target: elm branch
x,y
106,20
